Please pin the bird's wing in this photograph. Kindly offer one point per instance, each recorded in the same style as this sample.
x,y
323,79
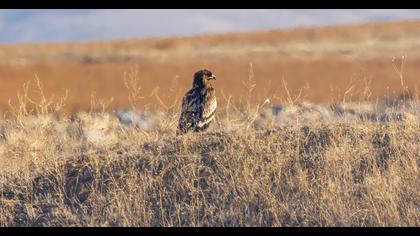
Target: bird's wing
x,y
189,103
207,107
189,110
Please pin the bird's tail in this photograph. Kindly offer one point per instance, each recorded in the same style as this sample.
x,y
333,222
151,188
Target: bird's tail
x,y
182,129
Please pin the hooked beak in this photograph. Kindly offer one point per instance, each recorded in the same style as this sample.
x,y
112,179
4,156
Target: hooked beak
x,y
212,77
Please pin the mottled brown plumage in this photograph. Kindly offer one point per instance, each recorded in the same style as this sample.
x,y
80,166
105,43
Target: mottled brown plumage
x,y
199,104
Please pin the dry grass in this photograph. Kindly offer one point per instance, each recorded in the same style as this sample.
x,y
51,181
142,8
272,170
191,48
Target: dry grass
x,y
299,164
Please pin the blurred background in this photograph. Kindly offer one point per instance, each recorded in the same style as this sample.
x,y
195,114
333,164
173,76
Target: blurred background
x,y
321,56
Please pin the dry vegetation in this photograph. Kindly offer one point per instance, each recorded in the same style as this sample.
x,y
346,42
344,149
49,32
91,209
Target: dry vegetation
x,y
271,158
296,164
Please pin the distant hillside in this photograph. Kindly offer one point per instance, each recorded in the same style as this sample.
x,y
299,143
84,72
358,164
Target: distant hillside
x,y
320,63
365,40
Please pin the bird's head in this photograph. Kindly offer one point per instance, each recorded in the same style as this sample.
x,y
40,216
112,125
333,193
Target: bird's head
x,y
202,78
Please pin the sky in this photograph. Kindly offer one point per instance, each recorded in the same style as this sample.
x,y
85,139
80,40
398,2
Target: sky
x,y
55,25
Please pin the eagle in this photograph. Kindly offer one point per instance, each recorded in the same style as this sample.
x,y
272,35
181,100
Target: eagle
x,y
199,104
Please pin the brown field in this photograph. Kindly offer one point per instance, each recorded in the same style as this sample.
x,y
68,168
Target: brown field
x,y
322,62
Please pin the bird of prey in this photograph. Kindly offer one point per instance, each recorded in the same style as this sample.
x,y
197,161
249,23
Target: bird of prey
x,y
199,104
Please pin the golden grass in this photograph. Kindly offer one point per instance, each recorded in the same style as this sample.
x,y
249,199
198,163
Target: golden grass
x,y
335,174
305,167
